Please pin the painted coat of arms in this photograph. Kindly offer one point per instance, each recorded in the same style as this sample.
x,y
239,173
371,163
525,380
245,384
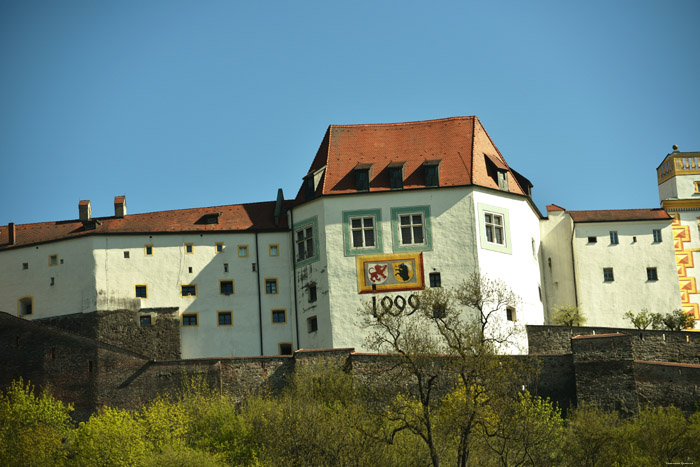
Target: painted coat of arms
x,y
391,272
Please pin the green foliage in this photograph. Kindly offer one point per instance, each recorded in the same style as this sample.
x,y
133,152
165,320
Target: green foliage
x,y
32,428
678,320
568,315
644,319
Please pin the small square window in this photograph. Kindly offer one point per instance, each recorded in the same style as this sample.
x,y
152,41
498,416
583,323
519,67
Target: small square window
x,y
126,254
274,250
189,248
189,319
435,280
279,316
510,313
613,238
141,291
270,286
285,348
225,318
592,239
312,324
651,274
25,306
226,287
145,320
608,275
148,250
219,247
225,267
312,293
188,290
25,265
657,235
53,260
242,251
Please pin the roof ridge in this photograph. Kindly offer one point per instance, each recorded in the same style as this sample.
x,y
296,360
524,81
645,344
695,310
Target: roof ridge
x,y
626,209
417,122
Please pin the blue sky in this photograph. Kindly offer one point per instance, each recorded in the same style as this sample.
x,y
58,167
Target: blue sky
x,y
180,104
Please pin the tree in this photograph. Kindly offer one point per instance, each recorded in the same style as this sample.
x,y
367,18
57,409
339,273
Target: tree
x,y
678,320
568,315
644,319
32,428
466,327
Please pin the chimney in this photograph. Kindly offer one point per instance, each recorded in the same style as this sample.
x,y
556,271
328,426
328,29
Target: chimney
x,y
120,206
85,210
11,233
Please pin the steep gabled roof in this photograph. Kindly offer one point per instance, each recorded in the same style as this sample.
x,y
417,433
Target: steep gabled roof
x,y
230,218
460,144
620,215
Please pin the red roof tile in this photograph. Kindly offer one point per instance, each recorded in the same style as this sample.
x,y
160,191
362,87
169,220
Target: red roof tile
x,y
617,215
235,217
460,143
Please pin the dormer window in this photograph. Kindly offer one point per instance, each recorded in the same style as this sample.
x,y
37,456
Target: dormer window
x,y
362,176
309,188
497,170
396,175
432,173
503,180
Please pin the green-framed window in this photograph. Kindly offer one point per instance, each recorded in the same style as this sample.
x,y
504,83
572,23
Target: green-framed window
x,y
306,241
362,232
494,228
410,228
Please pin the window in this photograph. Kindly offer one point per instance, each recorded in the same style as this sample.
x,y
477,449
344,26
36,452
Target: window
x,y
189,319
242,251
226,287
613,238
396,175
225,318
219,247
411,229
435,279
225,267
651,274
362,179
305,241
148,250
25,306
25,265
608,275
657,235
126,254
312,293
592,239
145,320
285,348
697,187
270,286
141,291
432,173
279,316
53,260
494,228
510,313
362,231
309,187
312,324
189,248
188,290
274,250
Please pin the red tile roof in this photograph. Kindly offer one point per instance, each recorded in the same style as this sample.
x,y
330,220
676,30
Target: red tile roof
x,y
617,215
460,143
235,217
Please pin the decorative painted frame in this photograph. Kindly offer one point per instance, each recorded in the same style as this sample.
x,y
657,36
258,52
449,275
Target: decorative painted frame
x,y
427,244
507,247
393,260
347,233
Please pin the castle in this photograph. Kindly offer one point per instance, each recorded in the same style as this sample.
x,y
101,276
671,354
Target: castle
x,y
384,210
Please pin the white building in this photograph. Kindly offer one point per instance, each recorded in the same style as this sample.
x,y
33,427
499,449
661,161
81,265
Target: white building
x,y
384,209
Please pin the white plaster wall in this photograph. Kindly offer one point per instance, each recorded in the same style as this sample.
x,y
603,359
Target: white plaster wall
x,y
557,261
168,268
680,186
74,282
605,303
314,273
519,269
668,189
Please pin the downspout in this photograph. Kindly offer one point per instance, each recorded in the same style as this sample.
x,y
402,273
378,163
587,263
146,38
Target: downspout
x,y
294,272
573,265
257,268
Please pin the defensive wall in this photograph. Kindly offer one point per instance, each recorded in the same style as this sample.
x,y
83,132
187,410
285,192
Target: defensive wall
x,y
90,373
